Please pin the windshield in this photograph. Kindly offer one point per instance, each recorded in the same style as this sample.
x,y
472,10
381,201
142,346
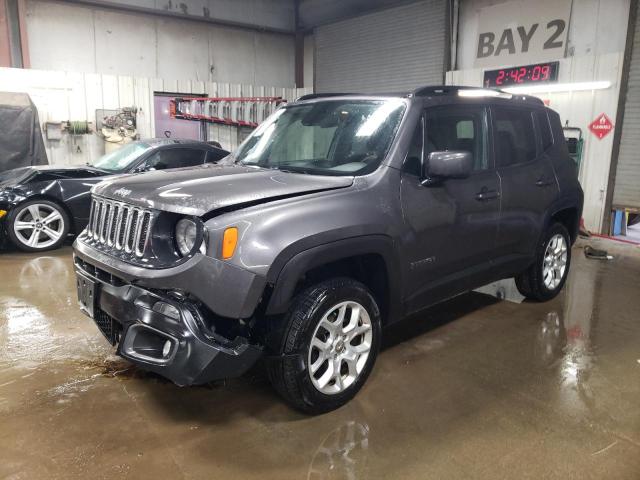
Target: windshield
x,y
14,176
344,137
122,158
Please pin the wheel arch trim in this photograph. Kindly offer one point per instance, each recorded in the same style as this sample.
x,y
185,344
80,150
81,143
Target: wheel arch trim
x,y
286,279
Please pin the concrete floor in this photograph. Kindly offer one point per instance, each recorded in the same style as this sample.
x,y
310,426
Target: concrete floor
x,y
474,388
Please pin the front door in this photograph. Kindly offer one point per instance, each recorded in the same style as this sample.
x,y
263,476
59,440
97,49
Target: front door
x,y
452,224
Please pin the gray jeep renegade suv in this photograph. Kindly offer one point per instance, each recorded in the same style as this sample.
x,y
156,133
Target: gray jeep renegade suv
x,y
338,216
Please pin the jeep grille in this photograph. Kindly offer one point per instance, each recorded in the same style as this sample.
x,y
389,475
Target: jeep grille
x,y
118,226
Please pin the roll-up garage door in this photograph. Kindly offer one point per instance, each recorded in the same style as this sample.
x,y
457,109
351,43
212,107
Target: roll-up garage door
x,y
626,191
392,50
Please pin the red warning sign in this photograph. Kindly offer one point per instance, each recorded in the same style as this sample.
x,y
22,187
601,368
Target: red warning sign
x,y
601,126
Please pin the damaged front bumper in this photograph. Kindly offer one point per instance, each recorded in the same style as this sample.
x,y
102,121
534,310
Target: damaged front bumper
x,y
160,331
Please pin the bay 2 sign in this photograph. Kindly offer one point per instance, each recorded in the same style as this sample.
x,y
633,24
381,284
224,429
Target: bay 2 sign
x,y
516,33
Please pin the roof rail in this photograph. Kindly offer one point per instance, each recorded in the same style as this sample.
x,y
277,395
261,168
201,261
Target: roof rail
x,y
310,96
432,90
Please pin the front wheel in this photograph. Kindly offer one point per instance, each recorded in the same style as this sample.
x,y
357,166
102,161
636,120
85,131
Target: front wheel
x,y
38,225
544,279
327,346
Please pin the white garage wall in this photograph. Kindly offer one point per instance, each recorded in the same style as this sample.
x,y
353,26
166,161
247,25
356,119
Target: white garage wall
x,y
61,96
596,27
77,38
579,109
276,14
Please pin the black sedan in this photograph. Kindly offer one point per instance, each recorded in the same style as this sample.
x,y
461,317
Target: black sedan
x,y
40,206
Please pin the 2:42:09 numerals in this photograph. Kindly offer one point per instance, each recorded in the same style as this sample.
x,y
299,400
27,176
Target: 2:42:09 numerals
x,y
538,73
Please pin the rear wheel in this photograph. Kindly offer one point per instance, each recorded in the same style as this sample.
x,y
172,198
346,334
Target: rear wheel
x,y
38,225
327,347
544,279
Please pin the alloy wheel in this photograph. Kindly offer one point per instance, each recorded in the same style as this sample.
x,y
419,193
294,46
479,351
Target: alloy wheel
x,y
555,262
340,347
38,225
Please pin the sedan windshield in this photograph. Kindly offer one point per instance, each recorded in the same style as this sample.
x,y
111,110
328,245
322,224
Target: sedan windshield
x,y
123,158
345,137
14,176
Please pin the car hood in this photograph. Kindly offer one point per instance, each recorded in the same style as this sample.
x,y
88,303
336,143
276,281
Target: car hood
x,y
200,190
17,176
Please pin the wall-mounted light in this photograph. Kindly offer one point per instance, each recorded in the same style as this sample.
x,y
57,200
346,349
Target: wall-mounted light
x,y
559,87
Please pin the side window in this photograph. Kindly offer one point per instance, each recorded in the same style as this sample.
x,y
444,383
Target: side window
x,y
214,156
414,154
175,158
458,128
514,138
544,128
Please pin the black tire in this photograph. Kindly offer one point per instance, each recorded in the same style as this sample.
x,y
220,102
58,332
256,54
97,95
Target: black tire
x,y
289,368
531,283
63,226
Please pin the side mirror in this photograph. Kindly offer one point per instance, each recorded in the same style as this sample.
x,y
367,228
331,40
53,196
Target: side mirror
x,y
449,164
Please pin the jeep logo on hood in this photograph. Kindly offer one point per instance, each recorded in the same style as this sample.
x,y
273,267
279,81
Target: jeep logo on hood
x,y
123,192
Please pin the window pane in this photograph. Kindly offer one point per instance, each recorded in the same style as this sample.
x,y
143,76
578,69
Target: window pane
x,y
515,142
176,158
545,129
458,128
122,158
215,155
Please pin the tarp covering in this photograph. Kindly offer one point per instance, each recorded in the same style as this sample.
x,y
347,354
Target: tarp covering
x,y
21,142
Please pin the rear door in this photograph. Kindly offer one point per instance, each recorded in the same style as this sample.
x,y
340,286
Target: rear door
x,y
451,225
528,182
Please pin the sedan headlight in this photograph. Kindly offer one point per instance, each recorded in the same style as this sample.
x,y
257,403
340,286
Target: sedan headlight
x,y
186,235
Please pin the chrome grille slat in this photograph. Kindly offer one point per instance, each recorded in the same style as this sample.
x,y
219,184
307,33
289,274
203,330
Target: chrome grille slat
x,y
122,219
127,234
132,231
143,235
110,225
92,212
104,220
96,220
138,234
119,227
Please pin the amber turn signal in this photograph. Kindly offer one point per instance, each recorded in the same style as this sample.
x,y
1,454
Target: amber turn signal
x,y
229,242
2,213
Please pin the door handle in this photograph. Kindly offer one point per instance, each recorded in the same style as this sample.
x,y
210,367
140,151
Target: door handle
x,y
543,182
484,195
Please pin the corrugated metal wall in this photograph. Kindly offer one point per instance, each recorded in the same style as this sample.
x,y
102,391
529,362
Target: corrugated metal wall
x,y
626,191
61,96
392,50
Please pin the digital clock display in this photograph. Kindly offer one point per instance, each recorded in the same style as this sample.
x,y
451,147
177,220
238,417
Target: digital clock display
x,y
537,73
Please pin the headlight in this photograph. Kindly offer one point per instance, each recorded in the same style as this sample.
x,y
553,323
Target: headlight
x,y
186,235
